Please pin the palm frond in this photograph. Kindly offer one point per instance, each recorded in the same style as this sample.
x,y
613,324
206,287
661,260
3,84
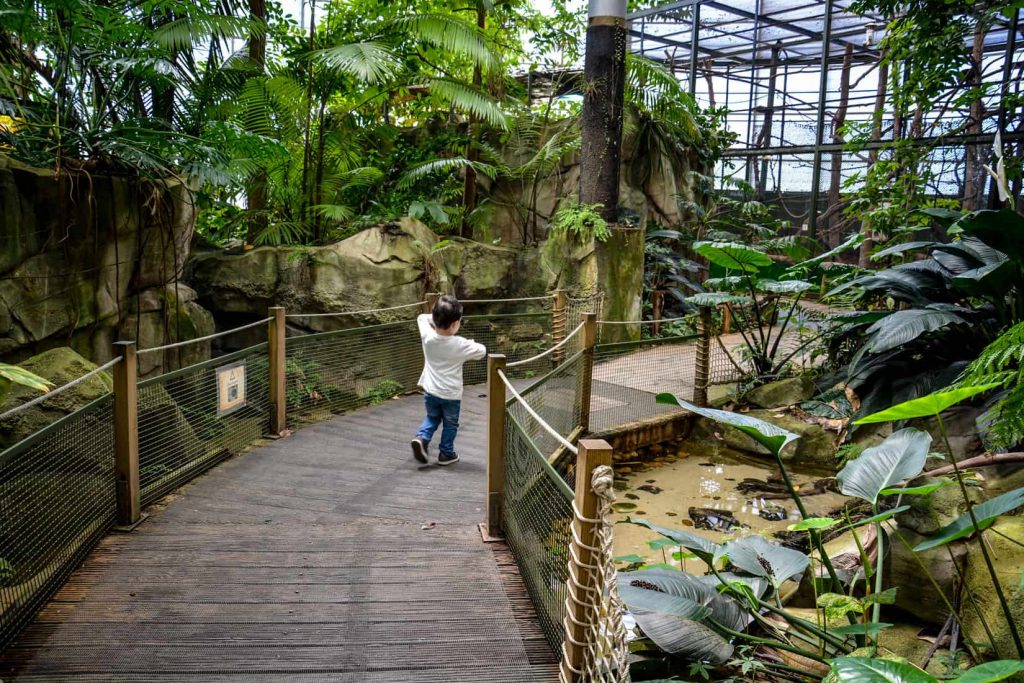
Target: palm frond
x,y
369,62
469,100
450,33
187,32
428,168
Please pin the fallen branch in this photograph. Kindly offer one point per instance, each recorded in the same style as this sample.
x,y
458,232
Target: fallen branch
x,y
978,461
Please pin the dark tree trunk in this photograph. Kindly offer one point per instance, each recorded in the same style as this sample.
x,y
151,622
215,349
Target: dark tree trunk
x,y
256,189
835,221
974,174
604,73
876,135
472,152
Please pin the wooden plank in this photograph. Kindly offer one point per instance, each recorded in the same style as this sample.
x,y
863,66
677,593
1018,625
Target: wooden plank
x,y
305,559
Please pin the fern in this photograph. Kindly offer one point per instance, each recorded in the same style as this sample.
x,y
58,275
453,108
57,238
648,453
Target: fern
x,y
582,221
469,100
1002,362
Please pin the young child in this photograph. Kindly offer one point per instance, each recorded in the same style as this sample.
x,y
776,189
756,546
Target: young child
x,y
443,355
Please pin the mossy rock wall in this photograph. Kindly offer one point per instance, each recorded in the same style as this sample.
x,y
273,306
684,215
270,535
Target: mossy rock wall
x,y
83,254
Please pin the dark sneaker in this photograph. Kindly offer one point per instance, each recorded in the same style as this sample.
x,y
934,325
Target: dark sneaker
x,y
419,450
447,459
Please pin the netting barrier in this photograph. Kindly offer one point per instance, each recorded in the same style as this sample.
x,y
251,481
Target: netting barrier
x,y
628,376
57,499
182,432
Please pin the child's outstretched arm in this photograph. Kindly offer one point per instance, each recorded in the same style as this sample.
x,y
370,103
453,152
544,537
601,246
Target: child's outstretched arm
x,y
473,350
425,322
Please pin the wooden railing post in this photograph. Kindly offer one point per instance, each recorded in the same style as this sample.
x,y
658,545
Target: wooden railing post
x,y
702,368
491,528
429,300
582,609
559,324
587,379
276,357
126,435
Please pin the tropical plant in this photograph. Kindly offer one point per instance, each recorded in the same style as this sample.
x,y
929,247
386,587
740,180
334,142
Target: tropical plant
x,y
765,308
667,271
976,519
927,318
1001,363
12,374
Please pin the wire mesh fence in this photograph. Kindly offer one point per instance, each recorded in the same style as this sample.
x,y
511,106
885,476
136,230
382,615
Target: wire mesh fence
x,y
57,499
628,376
181,430
558,398
537,521
335,372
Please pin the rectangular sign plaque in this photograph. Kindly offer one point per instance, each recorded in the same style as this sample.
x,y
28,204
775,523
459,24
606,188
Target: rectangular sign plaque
x,y
230,388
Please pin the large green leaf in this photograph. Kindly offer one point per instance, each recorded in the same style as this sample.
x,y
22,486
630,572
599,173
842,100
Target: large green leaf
x,y
901,456
18,375
733,255
865,670
684,637
1002,230
771,436
925,406
369,62
700,590
852,242
646,600
991,672
901,248
757,556
986,514
698,545
717,299
902,327
783,286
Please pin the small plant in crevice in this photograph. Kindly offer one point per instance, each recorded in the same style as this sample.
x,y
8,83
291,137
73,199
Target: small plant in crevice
x,y
386,389
580,222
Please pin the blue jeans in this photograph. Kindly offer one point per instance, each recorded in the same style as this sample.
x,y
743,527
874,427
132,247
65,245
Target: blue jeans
x,y
440,410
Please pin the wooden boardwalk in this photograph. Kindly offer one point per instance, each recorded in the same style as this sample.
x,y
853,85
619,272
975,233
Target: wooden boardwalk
x,y
305,559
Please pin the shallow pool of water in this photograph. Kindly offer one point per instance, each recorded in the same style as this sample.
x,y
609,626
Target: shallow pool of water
x,y
706,475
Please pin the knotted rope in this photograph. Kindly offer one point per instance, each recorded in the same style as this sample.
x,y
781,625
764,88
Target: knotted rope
x,y
605,650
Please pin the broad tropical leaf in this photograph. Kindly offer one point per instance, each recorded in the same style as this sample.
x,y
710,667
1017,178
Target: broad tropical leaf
x,y
684,637
812,523
903,327
18,375
865,670
990,672
757,556
701,590
733,256
698,545
783,286
901,456
772,437
646,600
451,33
470,100
917,490
926,406
986,514
718,299
900,249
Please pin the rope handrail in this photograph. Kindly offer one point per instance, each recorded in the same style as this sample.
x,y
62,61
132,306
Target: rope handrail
x,y
548,428
208,337
53,392
502,301
367,311
554,348
639,322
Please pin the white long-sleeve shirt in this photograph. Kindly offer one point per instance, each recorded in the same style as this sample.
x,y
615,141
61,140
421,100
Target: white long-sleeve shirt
x,y
443,357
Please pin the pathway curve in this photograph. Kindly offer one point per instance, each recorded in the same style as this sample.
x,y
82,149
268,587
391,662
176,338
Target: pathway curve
x,y
305,559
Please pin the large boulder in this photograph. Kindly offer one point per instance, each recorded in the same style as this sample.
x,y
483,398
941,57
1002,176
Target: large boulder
x,y
1005,540
164,315
60,366
380,267
781,393
917,595
928,514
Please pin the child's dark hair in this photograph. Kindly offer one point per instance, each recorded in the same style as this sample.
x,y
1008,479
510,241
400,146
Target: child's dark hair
x,y
447,311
